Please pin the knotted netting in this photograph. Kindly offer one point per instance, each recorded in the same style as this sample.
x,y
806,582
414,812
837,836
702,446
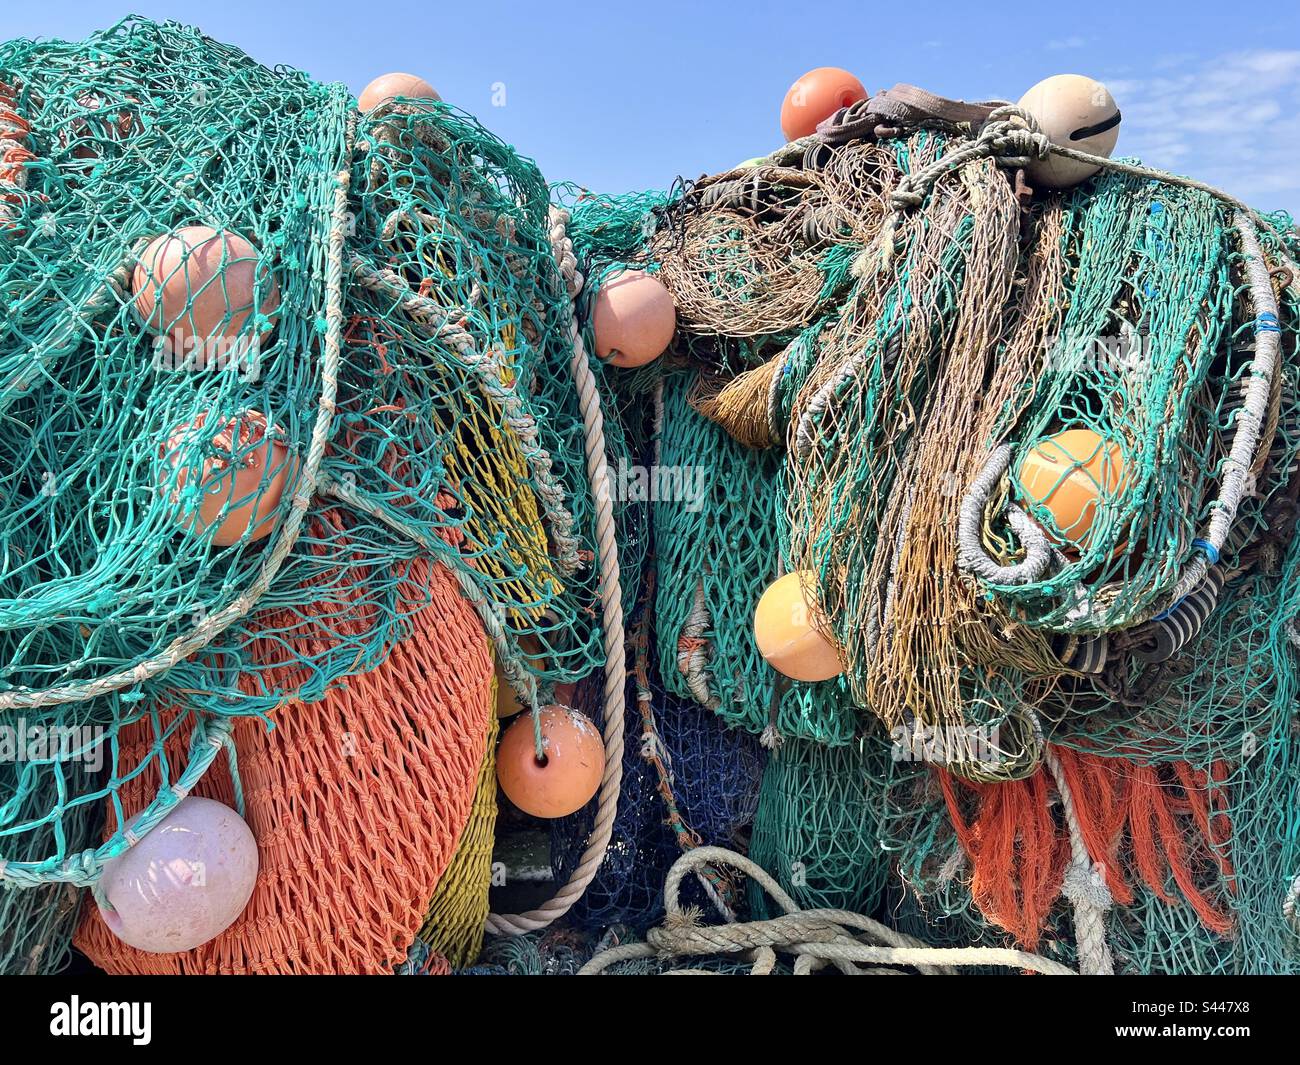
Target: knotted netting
x,y
259,354
890,333
688,780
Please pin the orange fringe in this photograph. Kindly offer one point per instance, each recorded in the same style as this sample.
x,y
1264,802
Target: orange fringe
x,y
1133,818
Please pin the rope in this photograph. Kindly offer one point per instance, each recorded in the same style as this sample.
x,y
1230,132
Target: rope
x,y
971,555
611,596
814,937
1083,886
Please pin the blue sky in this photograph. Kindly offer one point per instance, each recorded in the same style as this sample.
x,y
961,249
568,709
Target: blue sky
x,y
627,95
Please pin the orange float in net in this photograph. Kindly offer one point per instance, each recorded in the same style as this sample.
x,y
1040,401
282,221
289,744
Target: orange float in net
x,y
357,802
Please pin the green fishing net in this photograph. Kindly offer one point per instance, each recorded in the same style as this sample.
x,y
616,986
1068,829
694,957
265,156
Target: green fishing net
x,y
876,424
260,351
220,453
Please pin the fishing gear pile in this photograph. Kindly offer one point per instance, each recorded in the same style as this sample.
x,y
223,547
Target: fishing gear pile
x,y
278,379
883,546
1016,440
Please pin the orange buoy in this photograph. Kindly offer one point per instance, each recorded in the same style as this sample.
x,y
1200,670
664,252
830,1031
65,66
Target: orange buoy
x,y
197,287
244,466
1075,112
633,318
567,775
101,125
815,97
389,86
784,631
1071,474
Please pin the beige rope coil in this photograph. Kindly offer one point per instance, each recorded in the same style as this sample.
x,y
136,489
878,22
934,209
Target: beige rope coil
x,y
611,599
815,937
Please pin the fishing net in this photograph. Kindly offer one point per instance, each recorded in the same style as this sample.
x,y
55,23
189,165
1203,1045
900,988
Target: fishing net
x,y
819,828
266,359
224,452
347,869
891,330
715,506
453,927
718,548
36,924
688,780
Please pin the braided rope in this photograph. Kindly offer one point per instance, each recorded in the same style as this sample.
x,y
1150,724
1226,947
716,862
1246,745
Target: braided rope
x,y
611,597
971,555
814,937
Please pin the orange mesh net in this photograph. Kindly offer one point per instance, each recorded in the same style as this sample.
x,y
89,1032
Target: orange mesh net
x,y
357,803
1164,825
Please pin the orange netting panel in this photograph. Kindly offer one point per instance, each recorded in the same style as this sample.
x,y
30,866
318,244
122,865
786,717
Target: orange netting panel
x,y
357,803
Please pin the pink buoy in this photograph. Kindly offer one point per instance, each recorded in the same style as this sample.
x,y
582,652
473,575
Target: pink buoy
x,y
633,318
388,86
197,288
245,468
185,882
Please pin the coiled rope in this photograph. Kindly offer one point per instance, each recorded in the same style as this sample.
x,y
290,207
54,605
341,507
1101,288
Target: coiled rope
x,y
816,938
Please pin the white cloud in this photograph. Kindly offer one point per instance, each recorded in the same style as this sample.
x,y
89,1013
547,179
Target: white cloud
x,y
1232,120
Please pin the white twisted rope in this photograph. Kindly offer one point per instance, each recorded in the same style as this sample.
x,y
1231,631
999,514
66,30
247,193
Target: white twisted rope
x,y
1084,886
611,598
815,937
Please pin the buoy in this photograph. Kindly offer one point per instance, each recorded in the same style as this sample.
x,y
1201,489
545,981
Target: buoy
x,y
569,772
236,455
815,97
390,86
784,631
1075,112
185,882
196,288
1071,474
634,319
101,124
